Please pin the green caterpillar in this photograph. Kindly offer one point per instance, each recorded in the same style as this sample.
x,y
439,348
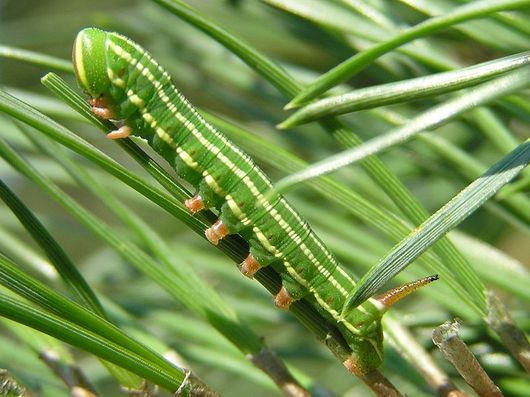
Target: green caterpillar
x,y
126,84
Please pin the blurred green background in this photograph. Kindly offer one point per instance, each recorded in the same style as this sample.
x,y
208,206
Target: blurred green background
x,y
215,80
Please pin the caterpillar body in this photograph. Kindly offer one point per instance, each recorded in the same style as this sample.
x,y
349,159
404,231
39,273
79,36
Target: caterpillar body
x,y
125,83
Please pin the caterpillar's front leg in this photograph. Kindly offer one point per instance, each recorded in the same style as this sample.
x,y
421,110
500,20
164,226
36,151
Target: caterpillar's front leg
x,y
100,108
122,132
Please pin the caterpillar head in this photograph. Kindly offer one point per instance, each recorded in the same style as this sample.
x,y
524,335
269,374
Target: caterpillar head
x,y
90,63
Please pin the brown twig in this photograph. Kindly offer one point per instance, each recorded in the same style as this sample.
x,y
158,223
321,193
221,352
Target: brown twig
x,y
515,340
199,388
146,389
191,386
405,343
9,386
380,385
71,374
456,351
268,362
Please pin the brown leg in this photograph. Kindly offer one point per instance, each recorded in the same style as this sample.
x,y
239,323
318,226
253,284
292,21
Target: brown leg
x,y
100,107
194,204
215,233
122,132
282,299
249,266
104,113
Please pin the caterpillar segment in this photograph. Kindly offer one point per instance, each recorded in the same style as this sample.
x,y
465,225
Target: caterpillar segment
x,y
123,81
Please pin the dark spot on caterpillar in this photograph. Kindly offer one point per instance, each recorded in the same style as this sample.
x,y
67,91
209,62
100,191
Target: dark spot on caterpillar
x,y
121,72
192,153
241,203
329,300
270,237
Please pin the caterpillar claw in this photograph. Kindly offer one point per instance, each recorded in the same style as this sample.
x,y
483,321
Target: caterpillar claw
x,y
195,204
215,233
122,132
283,300
249,266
